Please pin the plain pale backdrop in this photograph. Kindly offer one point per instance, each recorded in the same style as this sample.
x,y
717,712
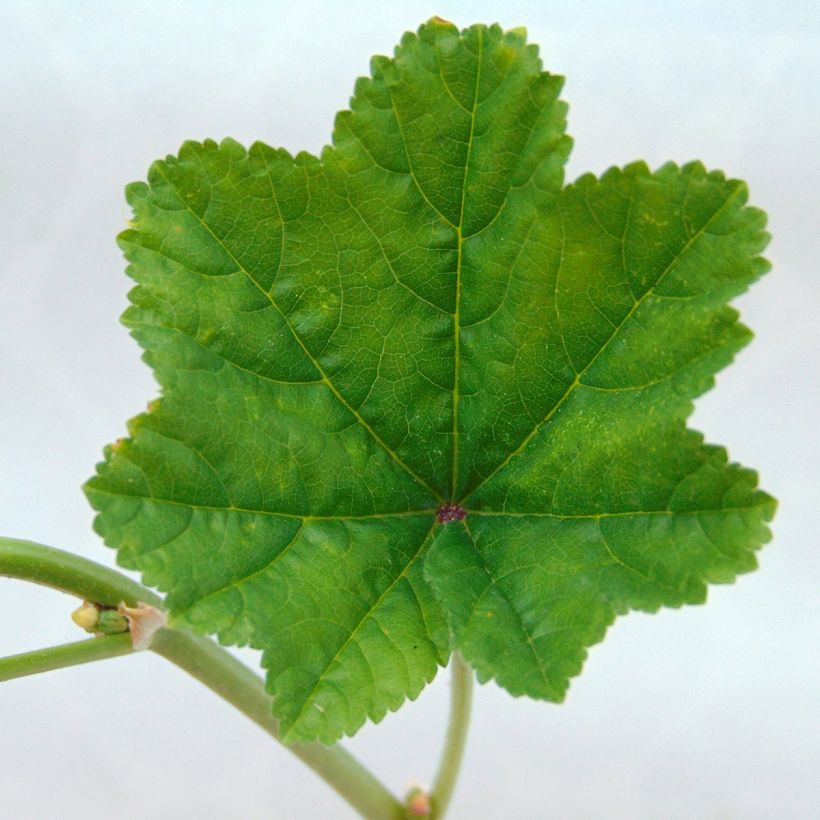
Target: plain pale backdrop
x,y
703,713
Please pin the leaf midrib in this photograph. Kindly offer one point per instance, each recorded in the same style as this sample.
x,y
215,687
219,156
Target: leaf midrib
x,y
494,585
361,621
274,513
459,258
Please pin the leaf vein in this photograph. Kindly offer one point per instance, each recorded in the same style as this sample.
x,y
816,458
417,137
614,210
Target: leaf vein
x,y
236,582
528,639
576,381
352,637
459,262
276,514
333,389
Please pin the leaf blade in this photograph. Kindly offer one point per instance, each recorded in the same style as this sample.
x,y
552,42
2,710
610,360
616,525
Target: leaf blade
x,y
424,319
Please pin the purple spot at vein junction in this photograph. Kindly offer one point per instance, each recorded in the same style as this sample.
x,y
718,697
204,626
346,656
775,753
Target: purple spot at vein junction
x,y
450,512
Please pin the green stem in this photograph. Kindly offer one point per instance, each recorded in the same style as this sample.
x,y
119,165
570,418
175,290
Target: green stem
x,y
200,657
69,654
461,696
234,682
70,573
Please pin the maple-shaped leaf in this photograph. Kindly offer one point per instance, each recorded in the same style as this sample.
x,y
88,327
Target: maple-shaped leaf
x,y
417,395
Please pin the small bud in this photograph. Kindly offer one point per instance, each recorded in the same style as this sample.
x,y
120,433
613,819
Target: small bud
x,y
86,616
111,622
144,621
417,803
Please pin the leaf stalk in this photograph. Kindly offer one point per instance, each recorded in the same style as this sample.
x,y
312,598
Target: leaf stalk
x,y
69,654
461,697
200,657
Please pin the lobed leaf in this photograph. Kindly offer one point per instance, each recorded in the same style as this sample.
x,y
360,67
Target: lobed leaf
x,y
418,394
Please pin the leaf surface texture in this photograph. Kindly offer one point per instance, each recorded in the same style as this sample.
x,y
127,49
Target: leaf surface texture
x,y
426,314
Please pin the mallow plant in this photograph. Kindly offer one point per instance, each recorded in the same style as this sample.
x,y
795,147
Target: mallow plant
x,y
421,403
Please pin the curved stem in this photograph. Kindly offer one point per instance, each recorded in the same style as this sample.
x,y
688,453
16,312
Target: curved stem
x,y
70,573
200,657
234,682
67,654
461,696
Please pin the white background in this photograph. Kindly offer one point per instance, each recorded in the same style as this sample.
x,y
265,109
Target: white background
x,y
709,712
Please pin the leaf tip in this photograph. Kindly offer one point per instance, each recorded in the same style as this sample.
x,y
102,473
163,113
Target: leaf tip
x,y
135,193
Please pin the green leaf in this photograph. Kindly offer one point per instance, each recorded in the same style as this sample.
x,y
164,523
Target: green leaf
x,y
425,316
